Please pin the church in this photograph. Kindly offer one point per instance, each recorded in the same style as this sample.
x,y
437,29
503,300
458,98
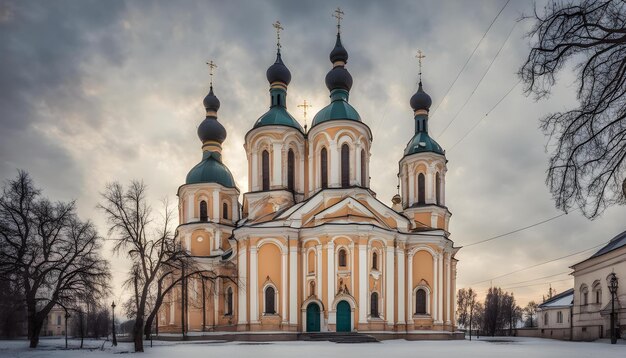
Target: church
x,y
311,248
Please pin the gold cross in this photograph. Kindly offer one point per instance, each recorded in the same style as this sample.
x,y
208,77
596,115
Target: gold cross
x,y
278,27
304,106
212,66
338,14
419,57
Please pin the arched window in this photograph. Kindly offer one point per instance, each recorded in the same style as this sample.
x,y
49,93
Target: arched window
x,y
584,295
342,258
545,318
203,211
374,304
59,320
269,300
363,169
265,165
597,292
324,167
291,170
225,211
420,301
421,189
312,288
345,165
559,317
375,261
438,189
229,301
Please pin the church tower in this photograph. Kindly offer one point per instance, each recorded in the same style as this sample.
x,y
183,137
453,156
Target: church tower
x,y
423,170
275,150
339,142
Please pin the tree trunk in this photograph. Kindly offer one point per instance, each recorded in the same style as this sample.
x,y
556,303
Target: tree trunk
x,y
138,334
34,329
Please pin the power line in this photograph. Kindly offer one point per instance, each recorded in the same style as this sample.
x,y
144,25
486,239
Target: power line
x,y
542,263
486,114
537,279
480,81
516,230
470,57
537,284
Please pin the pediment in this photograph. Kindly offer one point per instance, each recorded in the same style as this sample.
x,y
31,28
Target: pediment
x,y
348,210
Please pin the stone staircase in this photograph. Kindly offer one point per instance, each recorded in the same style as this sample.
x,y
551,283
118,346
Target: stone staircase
x,y
338,337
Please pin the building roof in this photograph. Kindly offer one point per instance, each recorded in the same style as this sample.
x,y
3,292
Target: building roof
x,y
278,116
563,299
211,170
615,243
339,108
422,142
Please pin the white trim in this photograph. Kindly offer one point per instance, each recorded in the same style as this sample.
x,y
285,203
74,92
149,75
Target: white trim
x,y
276,298
401,285
330,271
363,282
254,286
389,289
414,298
242,312
293,283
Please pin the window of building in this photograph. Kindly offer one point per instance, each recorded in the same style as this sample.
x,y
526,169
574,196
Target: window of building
x,y
420,301
597,292
203,211
342,258
421,189
375,260
559,317
59,320
598,296
438,188
545,318
374,304
225,211
229,301
345,166
265,165
363,169
312,288
324,167
291,170
270,307
584,295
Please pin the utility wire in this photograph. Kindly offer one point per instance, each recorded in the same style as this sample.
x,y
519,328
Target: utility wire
x,y
470,57
480,81
542,263
486,114
538,284
537,279
516,230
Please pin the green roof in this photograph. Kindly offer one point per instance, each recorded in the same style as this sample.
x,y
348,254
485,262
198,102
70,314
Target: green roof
x,y
278,116
339,108
211,170
421,143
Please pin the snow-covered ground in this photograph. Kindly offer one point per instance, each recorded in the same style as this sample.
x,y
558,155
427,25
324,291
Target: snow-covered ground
x,y
483,348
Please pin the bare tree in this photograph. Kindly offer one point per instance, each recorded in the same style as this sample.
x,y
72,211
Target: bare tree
x,y
47,251
462,307
587,166
530,311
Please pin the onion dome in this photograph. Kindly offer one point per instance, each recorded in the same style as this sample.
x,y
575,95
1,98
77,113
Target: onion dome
x,y
211,103
338,53
211,170
339,77
210,129
278,72
421,100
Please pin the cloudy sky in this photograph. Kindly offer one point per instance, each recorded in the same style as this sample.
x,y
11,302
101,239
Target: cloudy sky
x,y
93,92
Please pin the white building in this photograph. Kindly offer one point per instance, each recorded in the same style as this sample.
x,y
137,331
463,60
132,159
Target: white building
x,y
554,316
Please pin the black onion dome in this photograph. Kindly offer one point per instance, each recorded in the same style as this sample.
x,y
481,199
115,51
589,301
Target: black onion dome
x,y
211,103
339,78
211,130
278,72
421,99
338,53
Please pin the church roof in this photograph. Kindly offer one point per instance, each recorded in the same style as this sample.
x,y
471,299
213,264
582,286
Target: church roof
x,y
339,108
422,142
211,170
278,116
615,243
563,299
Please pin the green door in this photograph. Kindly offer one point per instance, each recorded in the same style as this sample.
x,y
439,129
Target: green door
x,y
343,317
312,317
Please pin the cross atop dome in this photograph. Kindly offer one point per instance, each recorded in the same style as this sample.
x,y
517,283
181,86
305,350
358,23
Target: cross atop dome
x,y
420,55
338,14
277,25
212,66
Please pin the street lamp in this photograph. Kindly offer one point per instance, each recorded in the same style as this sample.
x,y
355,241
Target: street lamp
x,y
612,283
113,323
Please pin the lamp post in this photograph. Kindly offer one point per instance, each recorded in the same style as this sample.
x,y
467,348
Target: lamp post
x,y
612,283
113,324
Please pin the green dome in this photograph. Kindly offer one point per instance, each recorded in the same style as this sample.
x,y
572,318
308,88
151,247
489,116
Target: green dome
x,y
278,116
421,143
211,170
339,108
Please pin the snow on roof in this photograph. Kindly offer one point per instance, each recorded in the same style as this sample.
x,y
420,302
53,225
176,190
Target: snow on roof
x,y
615,243
565,298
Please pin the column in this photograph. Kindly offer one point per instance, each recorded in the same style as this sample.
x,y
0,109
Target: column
x,y
333,166
285,285
254,174
357,172
216,206
276,165
389,291
217,242
448,292
412,198
235,209
440,286
435,288
293,282
190,207
330,271
216,301
401,285
363,281
188,242
318,271
242,288
312,169
430,188
254,286
409,289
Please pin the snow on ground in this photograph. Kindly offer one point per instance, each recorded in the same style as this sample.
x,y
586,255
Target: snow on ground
x,y
483,348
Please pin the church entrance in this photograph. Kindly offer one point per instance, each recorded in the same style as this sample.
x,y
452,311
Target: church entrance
x,y
312,317
343,316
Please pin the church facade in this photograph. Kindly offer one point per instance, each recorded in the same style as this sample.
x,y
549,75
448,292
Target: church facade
x,y
311,248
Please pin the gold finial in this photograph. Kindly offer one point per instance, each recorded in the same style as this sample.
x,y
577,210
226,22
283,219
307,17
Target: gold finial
x,y
338,14
420,55
212,66
278,28
304,106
